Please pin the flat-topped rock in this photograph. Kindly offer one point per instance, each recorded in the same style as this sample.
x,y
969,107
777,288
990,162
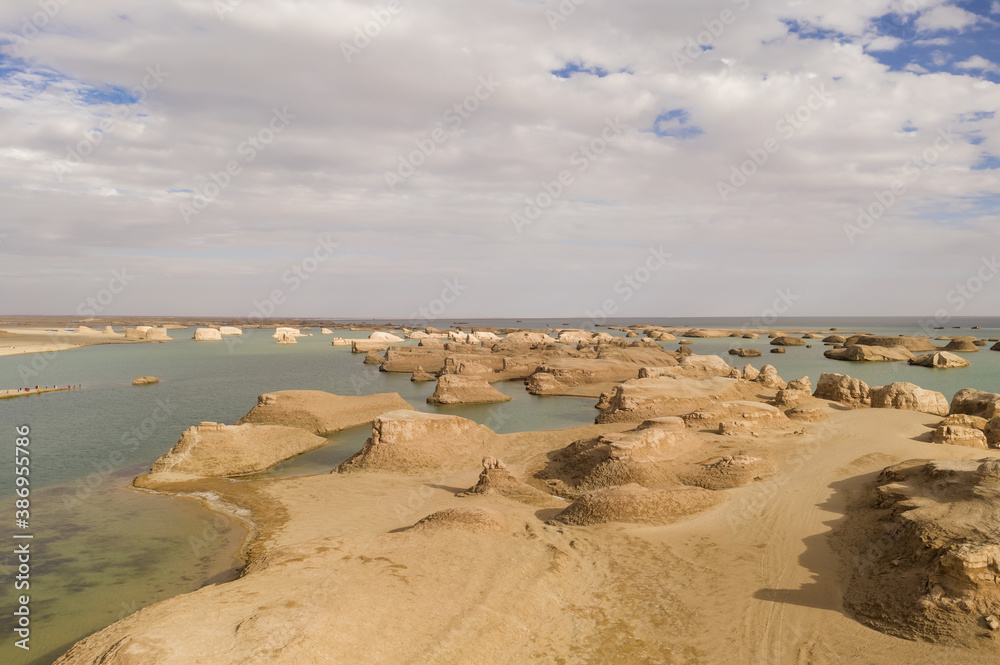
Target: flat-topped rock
x,y
940,360
145,380
464,389
207,335
213,449
871,354
413,441
320,412
909,397
641,399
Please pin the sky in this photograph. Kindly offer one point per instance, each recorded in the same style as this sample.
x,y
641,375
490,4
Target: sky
x,y
414,159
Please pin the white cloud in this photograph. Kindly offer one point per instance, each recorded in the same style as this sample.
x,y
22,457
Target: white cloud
x,y
324,173
936,41
946,17
884,43
979,62
995,7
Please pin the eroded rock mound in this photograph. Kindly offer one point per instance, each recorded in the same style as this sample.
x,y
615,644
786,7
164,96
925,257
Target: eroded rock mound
x,y
736,418
872,354
466,519
940,360
976,403
909,397
926,563
320,412
640,399
787,341
961,346
462,389
204,335
636,504
145,380
908,343
496,479
412,442
842,388
214,449
419,375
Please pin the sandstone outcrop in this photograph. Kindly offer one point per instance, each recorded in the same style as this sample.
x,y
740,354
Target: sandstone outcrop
x,y
926,552
462,389
909,397
940,360
908,343
976,403
787,341
412,442
214,449
419,375
961,346
769,378
320,412
844,389
145,380
640,399
745,353
497,480
872,354
736,418
385,338
207,335
229,330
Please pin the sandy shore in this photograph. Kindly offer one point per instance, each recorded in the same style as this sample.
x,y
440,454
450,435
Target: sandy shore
x,y
335,568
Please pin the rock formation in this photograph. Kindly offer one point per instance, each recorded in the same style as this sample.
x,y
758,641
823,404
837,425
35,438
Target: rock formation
x,y
842,388
940,360
908,343
207,335
736,418
412,441
461,389
419,375
787,341
872,354
496,479
145,380
385,338
214,449
924,551
640,399
910,397
320,412
976,403
961,346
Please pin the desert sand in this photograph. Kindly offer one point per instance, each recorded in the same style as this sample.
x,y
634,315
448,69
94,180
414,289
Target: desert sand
x,y
713,515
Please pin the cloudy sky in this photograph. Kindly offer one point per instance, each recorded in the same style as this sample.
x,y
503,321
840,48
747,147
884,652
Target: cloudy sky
x,y
500,157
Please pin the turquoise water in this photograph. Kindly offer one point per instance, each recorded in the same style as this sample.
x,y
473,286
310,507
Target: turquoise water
x,y
103,551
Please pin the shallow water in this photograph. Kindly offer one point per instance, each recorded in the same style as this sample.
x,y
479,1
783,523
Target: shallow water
x,y
102,551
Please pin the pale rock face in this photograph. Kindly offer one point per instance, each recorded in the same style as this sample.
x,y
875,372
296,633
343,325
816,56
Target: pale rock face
x,y
325,331
320,412
412,442
530,338
385,338
940,360
909,343
976,403
769,378
910,397
214,449
641,399
842,388
875,354
787,341
108,330
135,333
738,417
366,345
286,338
961,346
207,335
145,380
465,389
279,332
340,341
157,334
574,337
956,435
230,330
802,383
750,373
